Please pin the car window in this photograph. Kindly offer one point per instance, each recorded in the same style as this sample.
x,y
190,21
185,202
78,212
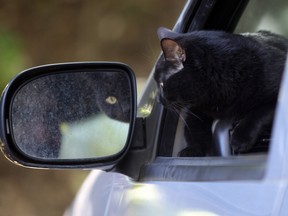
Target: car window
x,y
271,15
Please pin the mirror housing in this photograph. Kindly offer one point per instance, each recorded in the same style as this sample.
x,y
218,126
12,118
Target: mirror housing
x,y
59,92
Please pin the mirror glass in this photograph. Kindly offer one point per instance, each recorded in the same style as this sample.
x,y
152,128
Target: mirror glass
x,y
72,115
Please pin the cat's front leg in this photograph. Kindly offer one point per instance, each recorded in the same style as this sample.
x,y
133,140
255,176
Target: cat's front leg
x,y
246,132
198,135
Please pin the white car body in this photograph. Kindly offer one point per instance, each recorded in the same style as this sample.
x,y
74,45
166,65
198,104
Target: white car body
x,y
109,194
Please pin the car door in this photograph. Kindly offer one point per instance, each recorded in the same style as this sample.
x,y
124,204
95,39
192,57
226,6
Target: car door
x,y
252,184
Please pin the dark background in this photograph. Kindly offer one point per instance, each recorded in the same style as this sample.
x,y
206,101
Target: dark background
x,y
35,32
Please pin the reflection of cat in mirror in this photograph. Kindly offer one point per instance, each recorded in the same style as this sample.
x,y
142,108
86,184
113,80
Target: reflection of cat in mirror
x,y
85,94
42,105
114,102
216,75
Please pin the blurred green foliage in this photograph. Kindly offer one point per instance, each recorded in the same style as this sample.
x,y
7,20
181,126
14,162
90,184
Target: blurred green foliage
x,y
11,56
39,32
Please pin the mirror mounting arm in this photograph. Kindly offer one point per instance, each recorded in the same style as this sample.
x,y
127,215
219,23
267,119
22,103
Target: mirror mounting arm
x,y
138,139
136,153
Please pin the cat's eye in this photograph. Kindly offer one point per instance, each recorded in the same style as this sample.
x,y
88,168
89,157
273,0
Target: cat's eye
x,y
161,85
111,100
57,112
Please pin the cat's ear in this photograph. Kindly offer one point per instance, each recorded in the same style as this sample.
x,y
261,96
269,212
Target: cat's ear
x,y
171,49
166,33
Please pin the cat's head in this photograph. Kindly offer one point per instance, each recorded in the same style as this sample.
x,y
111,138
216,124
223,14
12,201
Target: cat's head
x,y
114,97
179,73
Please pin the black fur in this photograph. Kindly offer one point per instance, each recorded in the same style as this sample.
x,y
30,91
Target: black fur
x,y
219,75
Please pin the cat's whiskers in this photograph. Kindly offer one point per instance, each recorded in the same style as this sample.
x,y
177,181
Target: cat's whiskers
x,y
174,107
185,109
179,108
182,107
152,56
189,112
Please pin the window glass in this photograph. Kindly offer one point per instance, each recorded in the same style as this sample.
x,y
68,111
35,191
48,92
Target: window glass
x,y
269,15
148,98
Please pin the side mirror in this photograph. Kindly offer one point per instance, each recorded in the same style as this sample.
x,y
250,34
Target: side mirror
x,y
72,115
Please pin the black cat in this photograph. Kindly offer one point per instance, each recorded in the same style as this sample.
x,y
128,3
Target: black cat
x,y
218,75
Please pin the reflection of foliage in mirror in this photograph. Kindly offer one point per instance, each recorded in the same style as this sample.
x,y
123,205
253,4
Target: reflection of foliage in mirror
x,y
41,106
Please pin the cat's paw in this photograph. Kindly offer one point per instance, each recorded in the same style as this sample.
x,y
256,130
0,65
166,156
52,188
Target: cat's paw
x,y
191,152
241,140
